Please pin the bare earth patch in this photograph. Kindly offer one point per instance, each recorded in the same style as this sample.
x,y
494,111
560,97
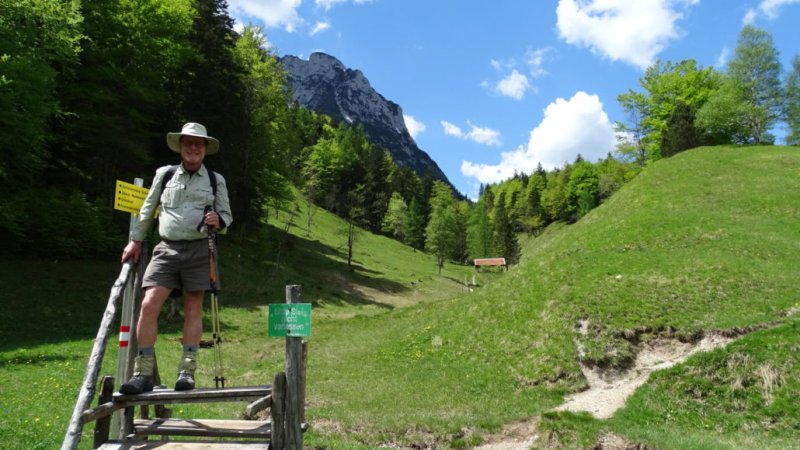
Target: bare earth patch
x,y
520,435
608,390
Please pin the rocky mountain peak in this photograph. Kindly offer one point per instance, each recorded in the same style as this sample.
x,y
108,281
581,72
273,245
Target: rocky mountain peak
x,y
325,85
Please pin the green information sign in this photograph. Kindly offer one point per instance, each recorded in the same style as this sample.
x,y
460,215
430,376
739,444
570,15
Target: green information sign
x,y
289,320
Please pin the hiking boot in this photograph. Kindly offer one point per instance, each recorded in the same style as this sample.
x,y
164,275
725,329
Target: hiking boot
x,y
142,379
185,381
186,370
137,384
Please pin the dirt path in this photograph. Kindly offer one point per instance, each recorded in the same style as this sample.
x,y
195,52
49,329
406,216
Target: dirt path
x,y
608,391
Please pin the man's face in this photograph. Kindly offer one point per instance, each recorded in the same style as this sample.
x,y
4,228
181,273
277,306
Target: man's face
x,y
193,151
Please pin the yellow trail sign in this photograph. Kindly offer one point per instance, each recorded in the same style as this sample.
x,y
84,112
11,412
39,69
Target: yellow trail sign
x,y
129,197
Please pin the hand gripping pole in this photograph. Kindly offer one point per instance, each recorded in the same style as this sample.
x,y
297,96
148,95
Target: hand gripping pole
x,y
219,379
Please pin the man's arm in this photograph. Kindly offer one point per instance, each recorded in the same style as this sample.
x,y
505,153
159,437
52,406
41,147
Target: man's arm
x,y
145,218
223,206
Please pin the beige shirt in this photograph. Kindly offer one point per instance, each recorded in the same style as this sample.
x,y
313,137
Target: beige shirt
x,y
182,204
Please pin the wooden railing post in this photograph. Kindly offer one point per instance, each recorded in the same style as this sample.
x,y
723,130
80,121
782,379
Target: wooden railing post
x,y
73,436
294,374
277,412
131,299
302,390
122,421
103,425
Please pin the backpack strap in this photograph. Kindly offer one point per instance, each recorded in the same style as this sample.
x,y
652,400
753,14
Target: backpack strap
x,y
212,178
168,176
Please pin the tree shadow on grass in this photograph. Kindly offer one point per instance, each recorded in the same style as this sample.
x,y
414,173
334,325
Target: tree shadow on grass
x,y
46,302
284,259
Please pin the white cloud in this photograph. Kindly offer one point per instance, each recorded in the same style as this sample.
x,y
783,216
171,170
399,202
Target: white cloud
x,y
451,130
481,135
319,27
722,58
414,126
328,4
280,13
273,13
514,85
621,30
770,7
749,17
536,61
570,127
767,7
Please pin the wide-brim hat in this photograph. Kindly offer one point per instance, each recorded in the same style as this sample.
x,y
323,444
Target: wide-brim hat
x,y
192,129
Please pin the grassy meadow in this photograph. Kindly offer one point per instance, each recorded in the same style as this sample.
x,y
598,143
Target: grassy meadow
x,y
706,241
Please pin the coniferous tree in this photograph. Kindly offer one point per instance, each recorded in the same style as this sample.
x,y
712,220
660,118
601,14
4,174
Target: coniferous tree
x,y
406,182
534,216
505,241
680,132
375,164
415,224
355,220
213,93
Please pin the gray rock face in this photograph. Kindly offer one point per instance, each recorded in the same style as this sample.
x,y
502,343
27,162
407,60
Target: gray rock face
x,y
323,84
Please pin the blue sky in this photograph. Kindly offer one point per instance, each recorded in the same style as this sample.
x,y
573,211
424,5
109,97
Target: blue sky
x,y
490,87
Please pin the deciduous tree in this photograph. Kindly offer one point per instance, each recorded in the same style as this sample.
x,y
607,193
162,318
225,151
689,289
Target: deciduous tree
x,y
264,156
36,38
479,231
395,219
442,231
665,85
749,102
793,103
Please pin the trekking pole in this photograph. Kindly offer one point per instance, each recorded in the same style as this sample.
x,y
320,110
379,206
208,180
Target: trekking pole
x,y
219,379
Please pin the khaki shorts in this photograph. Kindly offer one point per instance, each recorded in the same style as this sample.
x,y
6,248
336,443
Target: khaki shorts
x,y
179,265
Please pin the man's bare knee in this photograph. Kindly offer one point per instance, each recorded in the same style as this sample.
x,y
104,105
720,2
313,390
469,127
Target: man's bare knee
x,y
154,298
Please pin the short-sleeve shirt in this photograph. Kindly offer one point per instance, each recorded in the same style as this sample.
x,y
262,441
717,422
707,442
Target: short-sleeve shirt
x,y
183,203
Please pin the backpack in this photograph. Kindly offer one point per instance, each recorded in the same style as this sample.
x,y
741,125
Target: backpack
x,y
212,178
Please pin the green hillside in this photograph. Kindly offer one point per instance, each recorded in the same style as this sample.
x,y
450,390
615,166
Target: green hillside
x,y
703,241
399,355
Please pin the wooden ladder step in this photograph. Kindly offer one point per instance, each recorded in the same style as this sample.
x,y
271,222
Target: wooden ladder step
x,y
258,429
184,445
202,395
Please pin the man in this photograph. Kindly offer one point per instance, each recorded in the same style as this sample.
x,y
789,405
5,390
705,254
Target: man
x,y
180,260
